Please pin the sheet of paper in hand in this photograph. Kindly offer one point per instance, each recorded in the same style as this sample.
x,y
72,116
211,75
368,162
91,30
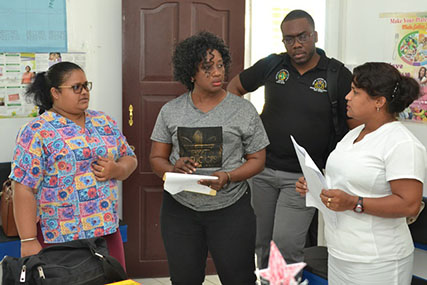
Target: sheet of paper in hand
x,y
178,182
315,183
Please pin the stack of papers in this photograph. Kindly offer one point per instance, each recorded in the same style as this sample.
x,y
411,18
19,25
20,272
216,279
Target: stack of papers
x,y
178,182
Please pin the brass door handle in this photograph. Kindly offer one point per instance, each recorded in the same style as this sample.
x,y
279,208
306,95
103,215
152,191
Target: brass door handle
x,y
130,115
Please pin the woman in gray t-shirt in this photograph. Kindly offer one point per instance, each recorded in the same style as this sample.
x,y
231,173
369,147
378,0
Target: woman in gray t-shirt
x,y
210,132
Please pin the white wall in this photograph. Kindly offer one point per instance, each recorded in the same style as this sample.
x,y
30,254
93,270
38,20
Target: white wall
x,y
95,27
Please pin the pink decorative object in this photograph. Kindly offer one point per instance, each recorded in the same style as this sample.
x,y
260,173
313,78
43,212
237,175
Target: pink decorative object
x,y
278,272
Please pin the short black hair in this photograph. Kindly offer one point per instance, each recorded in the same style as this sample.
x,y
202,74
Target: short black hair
x,y
298,14
38,92
382,79
192,51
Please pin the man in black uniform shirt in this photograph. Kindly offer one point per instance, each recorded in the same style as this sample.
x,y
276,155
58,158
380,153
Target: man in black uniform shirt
x,y
297,104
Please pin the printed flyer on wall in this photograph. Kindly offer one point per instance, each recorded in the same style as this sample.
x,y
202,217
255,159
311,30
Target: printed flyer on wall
x,y
17,70
410,55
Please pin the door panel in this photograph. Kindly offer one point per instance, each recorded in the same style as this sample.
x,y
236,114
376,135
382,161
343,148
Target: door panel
x,y
206,18
158,43
151,29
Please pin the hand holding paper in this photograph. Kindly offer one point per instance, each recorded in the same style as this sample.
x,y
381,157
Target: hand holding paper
x,y
178,182
315,182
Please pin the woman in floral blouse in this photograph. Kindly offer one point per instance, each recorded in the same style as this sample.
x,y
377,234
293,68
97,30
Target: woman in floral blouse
x,y
66,165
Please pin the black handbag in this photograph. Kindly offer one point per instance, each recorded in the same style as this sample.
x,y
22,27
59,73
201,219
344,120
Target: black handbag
x,y
79,262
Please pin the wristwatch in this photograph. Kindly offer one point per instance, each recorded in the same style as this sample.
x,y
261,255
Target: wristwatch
x,y
359,206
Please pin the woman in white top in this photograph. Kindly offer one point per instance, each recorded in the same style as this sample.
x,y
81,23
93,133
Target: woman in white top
x,y
376,175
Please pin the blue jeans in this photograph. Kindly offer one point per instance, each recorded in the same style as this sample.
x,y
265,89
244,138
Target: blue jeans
x,y
281,215
228,234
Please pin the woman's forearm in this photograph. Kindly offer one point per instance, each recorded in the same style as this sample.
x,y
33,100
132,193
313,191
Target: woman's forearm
x,y
391,206
254,164
159,158
25,210
126,165
404,201
160,165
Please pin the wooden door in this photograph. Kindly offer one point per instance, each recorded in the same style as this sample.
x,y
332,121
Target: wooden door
x,y
151,29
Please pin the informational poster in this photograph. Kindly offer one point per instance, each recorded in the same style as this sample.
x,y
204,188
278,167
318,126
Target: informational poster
x,y
33,26
410,55
17,70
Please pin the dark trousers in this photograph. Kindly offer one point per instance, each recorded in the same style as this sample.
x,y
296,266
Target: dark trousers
x,y
228,234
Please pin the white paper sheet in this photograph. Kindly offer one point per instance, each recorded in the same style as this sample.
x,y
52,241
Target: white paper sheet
x,y
315,183
177,182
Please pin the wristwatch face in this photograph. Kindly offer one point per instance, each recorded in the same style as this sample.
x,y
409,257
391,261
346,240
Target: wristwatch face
x,y
358,208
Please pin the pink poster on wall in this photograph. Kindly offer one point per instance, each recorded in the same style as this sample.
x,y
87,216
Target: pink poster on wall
x,y
410,56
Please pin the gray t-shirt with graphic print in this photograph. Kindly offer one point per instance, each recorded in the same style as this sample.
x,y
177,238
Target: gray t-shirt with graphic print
x,y
218,139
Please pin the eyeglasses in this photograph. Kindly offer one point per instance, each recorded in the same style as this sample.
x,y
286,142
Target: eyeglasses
x,y
301,38
78,88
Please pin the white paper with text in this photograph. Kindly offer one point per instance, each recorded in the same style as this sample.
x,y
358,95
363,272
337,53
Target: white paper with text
x,y
315,183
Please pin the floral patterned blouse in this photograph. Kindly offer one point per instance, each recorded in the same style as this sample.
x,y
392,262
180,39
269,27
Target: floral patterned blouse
x,y
53,156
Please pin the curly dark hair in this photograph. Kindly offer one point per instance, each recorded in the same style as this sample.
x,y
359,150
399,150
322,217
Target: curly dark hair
x,y
194,50
382,79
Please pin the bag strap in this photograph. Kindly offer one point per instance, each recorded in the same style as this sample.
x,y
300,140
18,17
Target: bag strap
x,y
6,190
91,244
113,270
332,73
276,60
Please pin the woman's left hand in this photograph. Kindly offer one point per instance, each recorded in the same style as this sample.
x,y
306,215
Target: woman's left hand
x,y
104,168
216,184
338,200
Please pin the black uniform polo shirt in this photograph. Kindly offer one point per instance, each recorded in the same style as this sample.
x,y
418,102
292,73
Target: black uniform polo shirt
x,y
296,105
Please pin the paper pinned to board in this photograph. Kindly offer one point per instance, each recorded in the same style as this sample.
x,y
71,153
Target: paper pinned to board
x,y
178,182
315,183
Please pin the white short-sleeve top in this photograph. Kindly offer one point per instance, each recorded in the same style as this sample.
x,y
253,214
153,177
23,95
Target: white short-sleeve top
x,y
365,169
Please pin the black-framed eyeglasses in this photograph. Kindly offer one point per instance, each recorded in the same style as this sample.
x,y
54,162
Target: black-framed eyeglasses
x,y
301,38
78,88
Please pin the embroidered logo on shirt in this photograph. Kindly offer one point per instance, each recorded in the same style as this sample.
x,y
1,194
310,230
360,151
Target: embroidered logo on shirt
x,y
282,76
319,85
